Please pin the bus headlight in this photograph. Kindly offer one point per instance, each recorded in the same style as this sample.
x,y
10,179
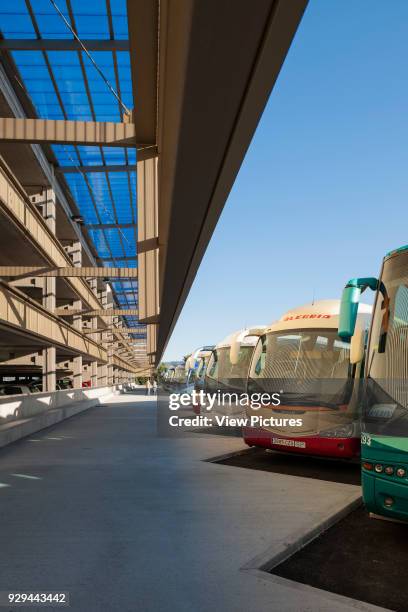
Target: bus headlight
x,y
342,431
388,502
400,472
389,470
379,468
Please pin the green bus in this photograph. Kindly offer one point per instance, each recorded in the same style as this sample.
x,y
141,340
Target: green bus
x,y
384,396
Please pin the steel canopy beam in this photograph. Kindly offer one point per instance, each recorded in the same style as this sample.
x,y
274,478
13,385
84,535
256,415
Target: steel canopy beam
x,y
98,168
143,24
123,331
59,131
103,226
19,272
130,258
103,312
148,242
56,44
117,332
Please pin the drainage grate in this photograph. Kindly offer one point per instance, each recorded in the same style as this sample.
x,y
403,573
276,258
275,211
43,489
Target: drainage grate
x,y
358,557
296,465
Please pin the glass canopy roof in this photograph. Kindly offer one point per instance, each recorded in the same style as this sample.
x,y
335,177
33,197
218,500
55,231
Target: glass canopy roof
x,y
63,84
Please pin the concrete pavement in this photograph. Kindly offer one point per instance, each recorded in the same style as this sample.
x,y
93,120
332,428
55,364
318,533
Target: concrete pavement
x,y
101,507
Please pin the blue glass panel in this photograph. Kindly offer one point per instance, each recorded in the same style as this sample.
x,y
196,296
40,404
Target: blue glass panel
x,y
81,194
91,19
129,242
100,243
126,285
50,23
99,186
66,155
105,105
37,81
120,263
68,76
120,190
90,156
125,78
114,155
119,19
131,153
15,21
114,242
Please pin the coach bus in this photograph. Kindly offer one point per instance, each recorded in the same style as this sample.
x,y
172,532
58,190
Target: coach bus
x,y
318,376
384,435
195,366
202,357
227,368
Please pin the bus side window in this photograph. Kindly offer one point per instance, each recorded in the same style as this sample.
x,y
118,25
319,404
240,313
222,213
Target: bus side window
x,y
260,364
258,367
212,366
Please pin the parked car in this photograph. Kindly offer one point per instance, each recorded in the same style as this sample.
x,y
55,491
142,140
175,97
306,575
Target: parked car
x,y
35,387
13,389
64,383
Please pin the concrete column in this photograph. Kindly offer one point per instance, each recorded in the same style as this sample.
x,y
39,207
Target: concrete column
x,y
112,370
106,371
103,368
49,367
77,369
102,375
49,299
93,284
75,252
94,374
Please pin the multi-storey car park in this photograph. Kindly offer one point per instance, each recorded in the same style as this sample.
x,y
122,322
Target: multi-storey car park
x,y
99,167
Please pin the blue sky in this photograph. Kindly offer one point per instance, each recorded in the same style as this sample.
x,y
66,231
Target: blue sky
x,y
322,193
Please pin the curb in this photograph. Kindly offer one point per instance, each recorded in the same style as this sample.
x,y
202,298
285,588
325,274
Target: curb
x,y
278,553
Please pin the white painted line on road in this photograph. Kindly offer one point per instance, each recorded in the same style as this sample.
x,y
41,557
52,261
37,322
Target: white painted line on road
x,y
26,476
2,484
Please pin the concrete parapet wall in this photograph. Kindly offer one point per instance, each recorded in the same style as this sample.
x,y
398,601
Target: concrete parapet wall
x,y
22,415
15,407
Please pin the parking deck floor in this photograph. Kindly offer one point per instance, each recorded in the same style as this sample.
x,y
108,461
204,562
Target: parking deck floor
x,y
101,507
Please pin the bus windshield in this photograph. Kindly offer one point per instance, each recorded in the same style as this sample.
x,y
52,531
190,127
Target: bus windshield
x,y
220,366
310,366
386,397
302,354
222,373
202,367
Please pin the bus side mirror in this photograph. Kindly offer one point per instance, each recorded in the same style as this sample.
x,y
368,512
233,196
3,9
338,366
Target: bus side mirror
x,y
349,303
234,350
348,311
189,364
357,346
